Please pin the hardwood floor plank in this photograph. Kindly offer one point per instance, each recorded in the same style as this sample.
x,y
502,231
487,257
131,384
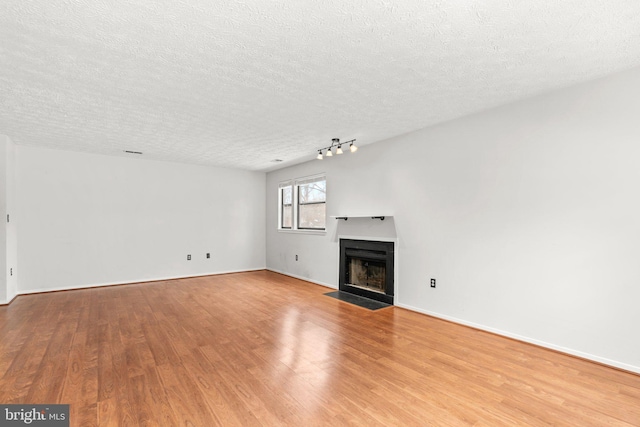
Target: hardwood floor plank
x,y
157,398
263,349
184,397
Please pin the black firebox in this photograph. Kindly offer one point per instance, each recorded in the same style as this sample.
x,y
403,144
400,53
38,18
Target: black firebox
x,y
366,269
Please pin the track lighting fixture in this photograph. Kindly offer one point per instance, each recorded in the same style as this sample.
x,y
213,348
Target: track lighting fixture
x,y
335,142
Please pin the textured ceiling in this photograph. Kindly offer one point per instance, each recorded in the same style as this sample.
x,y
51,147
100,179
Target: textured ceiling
x,y
240,83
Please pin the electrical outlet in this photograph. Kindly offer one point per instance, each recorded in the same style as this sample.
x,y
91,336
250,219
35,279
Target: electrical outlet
x,y
433,283
11,270
188,257
296,257
208,255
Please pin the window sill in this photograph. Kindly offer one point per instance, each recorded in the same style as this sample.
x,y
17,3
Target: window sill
x,y
284,230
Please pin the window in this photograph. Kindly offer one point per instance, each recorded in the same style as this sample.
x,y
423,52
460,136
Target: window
x,y
286,206
311,203
302,204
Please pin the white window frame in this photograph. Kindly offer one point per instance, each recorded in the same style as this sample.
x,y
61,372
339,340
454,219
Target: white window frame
x,y
282,185
295,183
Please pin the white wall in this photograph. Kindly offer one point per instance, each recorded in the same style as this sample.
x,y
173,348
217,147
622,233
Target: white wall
x,y
8,236
88,220
4,272
12,229
527,215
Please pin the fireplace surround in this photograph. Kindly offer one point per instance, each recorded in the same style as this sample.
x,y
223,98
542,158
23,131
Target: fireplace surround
x,y
366,269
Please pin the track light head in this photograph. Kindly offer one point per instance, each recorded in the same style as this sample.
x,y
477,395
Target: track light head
x,y
319,156
353,148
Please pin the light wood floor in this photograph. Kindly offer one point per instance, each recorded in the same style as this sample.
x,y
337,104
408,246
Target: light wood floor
x,y
264,349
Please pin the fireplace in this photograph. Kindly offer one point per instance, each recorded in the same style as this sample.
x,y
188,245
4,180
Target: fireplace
x,y
366,269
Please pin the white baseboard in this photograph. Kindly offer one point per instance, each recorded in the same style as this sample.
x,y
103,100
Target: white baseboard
x,y
560,349
131,282
9,299
306,279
